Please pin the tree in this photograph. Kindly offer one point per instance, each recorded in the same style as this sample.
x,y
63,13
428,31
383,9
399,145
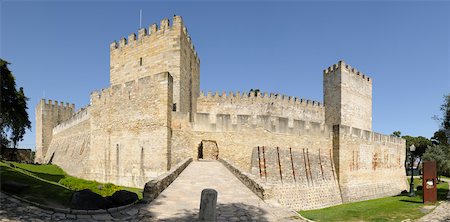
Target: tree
x,y
421,143
445,119
254,92
439,138
20,121
13,112
439,153
396,134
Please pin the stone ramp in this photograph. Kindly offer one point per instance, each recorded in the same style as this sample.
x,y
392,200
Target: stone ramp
x,y
235,202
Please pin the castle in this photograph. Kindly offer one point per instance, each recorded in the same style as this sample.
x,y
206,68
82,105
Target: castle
x,y
153,116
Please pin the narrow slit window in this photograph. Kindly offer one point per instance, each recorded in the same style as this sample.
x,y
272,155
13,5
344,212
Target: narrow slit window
x,y
140,61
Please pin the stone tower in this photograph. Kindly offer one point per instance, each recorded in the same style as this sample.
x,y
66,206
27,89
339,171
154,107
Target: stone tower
x,y
167,48
347,97
48,115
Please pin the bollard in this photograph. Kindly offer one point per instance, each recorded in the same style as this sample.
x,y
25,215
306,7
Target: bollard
x,y
208,202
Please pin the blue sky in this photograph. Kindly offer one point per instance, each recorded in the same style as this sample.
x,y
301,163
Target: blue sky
x,y
61,49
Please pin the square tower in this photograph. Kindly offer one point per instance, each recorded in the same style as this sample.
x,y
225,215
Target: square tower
x,y
167,48
48,115
347,97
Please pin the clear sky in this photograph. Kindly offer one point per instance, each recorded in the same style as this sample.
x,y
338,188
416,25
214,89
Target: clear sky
x,y
61,49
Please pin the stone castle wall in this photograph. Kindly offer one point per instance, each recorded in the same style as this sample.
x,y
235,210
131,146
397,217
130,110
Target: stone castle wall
x,y
301,179
48,115
122,137
17,154
369,165
71,145
246,104
237,139
130,125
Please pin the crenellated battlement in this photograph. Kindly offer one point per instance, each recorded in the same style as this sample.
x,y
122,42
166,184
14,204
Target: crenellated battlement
x,y
267,104
236,97
128,90
55,103
348,131
144,36
218,122
342,65
78,117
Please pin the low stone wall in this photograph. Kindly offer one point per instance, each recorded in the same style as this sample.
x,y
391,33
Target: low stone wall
x,y
247,179
19,155
154,187
305,197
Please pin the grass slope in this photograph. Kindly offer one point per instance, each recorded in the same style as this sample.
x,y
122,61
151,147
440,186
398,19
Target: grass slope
x,y
50,185
40,191
395,208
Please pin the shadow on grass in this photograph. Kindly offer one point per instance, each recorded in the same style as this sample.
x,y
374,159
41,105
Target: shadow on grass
x,y
49,173
442,193
411,201
46,176
39,191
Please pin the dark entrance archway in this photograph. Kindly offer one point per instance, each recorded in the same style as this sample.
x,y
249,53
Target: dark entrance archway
x,y
208,150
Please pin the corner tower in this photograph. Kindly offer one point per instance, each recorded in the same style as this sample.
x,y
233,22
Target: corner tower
x,y
347,97
49,115
167,48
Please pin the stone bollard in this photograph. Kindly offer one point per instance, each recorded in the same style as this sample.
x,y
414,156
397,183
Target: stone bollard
x,y
208,203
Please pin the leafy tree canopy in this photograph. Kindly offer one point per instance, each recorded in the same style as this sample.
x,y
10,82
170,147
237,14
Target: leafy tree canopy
x,y
439,138
445,119
13,112
440,154
421,143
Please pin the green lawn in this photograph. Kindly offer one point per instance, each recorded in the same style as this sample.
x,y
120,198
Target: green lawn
x,y
395,208
50,185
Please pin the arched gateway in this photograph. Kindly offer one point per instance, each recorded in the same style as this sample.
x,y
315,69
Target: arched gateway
x,y
208,150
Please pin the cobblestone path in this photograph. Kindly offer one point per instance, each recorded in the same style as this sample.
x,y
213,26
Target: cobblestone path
x,y
179,202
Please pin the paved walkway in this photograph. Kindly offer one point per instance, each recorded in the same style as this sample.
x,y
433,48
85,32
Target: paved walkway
x,y
179,202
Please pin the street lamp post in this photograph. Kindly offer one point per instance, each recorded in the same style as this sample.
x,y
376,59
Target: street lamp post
x,y
412,148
